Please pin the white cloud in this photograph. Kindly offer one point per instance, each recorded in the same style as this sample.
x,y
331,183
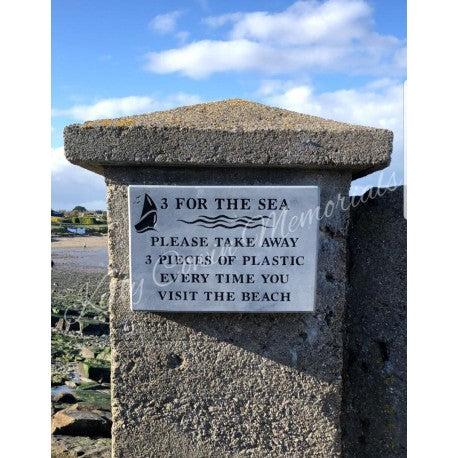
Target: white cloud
x,y
72,185
373,105
335,35
307,22
381,83
58,161
165,23
125,106
378,104
205,57
269,87
107,108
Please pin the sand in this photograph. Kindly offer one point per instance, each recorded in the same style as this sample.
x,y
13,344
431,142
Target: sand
x,y
89,241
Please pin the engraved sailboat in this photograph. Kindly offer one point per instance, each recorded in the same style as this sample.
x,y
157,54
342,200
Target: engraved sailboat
x,y
148,217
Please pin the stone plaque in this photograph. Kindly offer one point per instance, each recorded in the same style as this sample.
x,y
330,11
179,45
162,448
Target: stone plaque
x,y
223,248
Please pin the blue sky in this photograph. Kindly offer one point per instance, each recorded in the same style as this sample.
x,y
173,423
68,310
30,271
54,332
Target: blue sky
x,y
339,59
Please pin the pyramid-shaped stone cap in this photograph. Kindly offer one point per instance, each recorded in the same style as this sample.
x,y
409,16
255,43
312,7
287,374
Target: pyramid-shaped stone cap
x,y
227,134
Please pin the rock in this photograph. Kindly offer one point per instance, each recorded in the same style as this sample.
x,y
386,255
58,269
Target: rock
x,y
100,399
93,386
59,322
95,369
57,378
55,319
95,393
71,384
105,354
64,398
75,447
64,324
72,325
79,420
87,353
93,327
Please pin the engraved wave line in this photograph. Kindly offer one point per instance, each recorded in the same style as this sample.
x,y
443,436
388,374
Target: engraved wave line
x,y
248,226
228,222
223,218
232,218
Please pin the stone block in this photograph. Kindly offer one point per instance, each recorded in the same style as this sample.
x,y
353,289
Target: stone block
x,y
212,384
375,372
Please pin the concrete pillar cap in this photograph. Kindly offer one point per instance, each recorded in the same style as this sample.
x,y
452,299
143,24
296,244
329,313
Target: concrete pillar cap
x,y
229,133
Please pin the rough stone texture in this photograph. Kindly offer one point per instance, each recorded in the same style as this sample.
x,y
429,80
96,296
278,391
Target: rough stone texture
x,y
228,133
238,385
81,420
374,408
80,446
198,385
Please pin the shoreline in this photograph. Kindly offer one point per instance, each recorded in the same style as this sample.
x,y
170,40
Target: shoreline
x,y
79,241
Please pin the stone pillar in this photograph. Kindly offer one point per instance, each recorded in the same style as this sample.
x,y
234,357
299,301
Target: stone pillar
x,y
233,384
374,413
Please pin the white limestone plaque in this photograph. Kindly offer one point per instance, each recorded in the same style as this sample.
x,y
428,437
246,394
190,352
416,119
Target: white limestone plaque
x,y
223,248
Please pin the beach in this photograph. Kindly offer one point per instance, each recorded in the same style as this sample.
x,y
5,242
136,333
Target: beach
x,y
80,348
80,253
79,241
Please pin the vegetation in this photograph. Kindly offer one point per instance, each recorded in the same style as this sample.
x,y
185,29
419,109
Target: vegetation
x,y
101,229
87,220
94,222
79,298
79,208
55,230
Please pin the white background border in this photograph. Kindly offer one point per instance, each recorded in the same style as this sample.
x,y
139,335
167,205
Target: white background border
x,y
432,291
